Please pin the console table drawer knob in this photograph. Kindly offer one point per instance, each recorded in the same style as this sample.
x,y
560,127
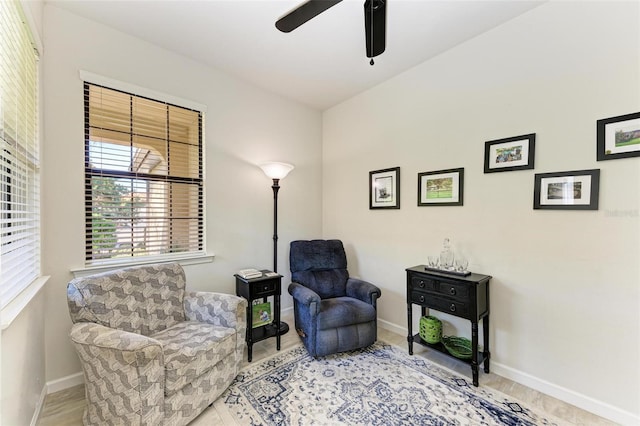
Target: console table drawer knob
x,y
421,298
421,284
452,291
452,308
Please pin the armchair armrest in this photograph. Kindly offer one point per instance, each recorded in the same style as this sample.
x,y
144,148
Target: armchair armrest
x,y
363,290
222,309
303,295
122,367
101,337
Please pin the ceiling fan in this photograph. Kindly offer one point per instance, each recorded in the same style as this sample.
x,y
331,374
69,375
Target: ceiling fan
x,y
375,14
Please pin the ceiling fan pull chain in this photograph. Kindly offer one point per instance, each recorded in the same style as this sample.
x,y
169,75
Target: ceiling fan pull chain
x,y
372,7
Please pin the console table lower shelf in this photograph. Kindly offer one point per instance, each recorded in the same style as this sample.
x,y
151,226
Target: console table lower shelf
x,y
440,348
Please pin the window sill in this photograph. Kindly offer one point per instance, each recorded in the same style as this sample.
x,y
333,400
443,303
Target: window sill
x,y
10,312
192,259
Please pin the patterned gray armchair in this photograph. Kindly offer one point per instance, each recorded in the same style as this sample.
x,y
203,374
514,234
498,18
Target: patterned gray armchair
x,y
152,353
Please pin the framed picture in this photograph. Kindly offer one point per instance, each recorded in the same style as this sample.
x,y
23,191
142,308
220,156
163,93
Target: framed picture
x,y
576,190
618,137
514,153
261,314
441,188
384,189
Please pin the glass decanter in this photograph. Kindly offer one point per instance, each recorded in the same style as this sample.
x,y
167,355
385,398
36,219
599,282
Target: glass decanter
x,y
446,255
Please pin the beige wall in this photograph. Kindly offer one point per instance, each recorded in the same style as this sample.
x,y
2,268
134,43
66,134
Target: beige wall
x,y
565,288
22,364
243,126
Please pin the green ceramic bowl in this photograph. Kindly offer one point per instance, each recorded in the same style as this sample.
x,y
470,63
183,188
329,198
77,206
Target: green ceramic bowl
x,y
459,347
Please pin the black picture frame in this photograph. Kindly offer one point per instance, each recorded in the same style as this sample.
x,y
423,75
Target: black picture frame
x,y
572,190
384,189
441,188
618,137
509,154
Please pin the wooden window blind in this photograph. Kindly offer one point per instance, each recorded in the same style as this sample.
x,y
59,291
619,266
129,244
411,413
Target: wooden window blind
x,y
19,155
143,177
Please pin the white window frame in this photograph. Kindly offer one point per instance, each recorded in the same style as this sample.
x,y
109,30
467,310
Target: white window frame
x,y
184,259
27,282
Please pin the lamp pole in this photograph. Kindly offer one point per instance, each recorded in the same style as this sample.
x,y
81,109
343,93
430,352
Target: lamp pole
x,y
275,171
275,188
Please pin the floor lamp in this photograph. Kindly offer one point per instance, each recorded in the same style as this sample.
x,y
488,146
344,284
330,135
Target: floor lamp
x,y
275,171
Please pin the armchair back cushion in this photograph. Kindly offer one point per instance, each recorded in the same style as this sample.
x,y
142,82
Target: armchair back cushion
x,y
320,265
142,300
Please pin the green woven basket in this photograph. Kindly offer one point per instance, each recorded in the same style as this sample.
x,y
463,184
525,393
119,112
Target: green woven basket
x,y
430,329
459,347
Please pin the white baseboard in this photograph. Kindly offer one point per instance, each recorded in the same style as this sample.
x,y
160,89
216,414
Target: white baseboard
x,y
39,405
394,328
579,400
286,311
65,383
571,397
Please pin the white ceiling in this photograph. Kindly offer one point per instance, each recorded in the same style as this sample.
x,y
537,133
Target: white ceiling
x,y
321,63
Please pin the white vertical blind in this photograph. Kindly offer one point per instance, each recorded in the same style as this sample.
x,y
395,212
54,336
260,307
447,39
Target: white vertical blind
x,y
19,154
143,177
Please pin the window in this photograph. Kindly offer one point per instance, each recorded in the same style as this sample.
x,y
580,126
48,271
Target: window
x,y
19,155
143,177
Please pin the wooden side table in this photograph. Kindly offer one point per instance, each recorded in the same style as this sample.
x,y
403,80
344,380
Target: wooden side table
x,y
462,296
261,288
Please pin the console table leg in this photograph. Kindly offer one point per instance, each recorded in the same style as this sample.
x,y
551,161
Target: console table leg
x,y
474,352
485,335
409,327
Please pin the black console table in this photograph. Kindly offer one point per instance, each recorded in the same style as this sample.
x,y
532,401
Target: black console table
x,y
261,288
462,296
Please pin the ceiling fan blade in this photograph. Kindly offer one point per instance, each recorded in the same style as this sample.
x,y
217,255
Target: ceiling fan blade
x,y
375,26
303,13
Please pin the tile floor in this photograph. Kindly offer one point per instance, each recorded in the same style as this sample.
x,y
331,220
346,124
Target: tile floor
x,y
65,407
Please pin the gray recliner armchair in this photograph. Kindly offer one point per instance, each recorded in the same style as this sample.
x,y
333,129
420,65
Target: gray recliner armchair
x,y
333,312
151,352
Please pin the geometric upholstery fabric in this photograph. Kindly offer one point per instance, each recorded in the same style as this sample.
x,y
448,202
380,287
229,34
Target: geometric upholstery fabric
x,y
142,300
333,312
191,349
151,352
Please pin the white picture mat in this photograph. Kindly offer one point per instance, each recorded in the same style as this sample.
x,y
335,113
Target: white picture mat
x,y
386,180
493,154
610,136
567,199
455,187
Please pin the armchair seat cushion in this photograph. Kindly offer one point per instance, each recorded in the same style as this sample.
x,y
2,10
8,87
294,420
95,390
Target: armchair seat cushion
x,y
344,311
191,349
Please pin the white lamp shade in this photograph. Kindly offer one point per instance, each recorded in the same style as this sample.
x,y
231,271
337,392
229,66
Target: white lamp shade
x,y
276,170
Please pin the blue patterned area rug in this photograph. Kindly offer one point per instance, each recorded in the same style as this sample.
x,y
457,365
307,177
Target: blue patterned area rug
x,y
379,385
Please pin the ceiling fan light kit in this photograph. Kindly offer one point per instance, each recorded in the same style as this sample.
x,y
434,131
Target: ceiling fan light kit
x,y
375,20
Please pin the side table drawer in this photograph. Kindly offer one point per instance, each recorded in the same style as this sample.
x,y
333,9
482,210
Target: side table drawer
x,y
264,288
459,291
450,306
422,283
419,297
